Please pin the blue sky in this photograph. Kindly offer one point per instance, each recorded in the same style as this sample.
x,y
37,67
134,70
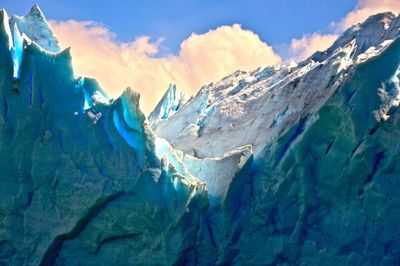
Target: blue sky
x,y
275,21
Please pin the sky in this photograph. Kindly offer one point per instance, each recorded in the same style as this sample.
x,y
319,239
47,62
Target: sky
x,y
148,44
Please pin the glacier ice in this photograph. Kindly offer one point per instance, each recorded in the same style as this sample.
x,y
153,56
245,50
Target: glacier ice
x,y
172,103
35,26
17,51
219,173
169,104
92,92
123,131
86,105
164,150
65,176
324,134
390,96
289,165
246,106
7,30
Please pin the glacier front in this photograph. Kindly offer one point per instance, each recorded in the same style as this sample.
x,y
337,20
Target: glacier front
x,y
290,165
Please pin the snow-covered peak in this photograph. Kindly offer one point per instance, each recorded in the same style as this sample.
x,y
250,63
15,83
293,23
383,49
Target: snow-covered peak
x,y
372,32
31,29
35,26
36,11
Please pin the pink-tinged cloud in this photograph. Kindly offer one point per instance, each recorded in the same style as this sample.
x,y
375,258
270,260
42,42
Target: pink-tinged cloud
x,y
202,58
301,49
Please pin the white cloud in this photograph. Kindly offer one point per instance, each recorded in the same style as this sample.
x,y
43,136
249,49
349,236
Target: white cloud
x,y
202,58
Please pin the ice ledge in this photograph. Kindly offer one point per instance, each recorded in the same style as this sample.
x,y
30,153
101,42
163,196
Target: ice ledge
x,y
224,176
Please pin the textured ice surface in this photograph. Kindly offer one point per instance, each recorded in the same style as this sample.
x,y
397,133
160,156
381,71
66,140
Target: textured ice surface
x,y
166,152
84,179
67,181
92,92
323,186
35,26
169,104
219,173
17,51
255,107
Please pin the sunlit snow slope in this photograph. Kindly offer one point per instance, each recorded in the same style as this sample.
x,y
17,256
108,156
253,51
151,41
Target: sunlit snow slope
x,y
323,187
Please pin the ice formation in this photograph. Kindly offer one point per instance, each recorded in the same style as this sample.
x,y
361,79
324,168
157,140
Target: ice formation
x,y
17,51
170,103
289,165
254,107
35,25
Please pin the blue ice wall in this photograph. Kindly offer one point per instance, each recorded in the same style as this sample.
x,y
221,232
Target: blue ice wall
x,y
17,52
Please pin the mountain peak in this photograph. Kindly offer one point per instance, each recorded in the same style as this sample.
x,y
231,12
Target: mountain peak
x,y
36,11
370,33
36,27
379,17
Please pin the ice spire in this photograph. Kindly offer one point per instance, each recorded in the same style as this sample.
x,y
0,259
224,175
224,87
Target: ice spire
x,y
170,103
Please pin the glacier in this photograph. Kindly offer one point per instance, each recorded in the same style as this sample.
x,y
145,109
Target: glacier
x,y
170,103
296,164
58,183
36,27
17,51
321,189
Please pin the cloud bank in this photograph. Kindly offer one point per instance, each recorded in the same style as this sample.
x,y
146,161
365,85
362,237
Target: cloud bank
x,y
301,49
202,58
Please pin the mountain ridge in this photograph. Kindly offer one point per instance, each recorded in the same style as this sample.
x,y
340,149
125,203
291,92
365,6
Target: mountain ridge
x,y
241,88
